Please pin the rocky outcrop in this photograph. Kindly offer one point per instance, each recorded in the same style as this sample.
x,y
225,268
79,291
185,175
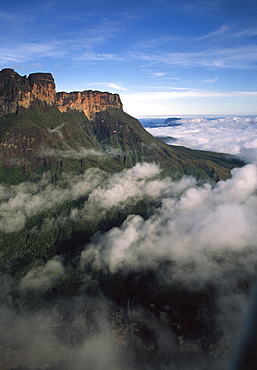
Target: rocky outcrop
x,y
38,89
26,133
89,102
22,91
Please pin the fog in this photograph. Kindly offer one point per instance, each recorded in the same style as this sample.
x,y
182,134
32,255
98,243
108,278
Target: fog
x,y
196,241
201,222
81,154
233,135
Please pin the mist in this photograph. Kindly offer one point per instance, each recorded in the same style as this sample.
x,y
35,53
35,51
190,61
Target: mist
x,y
164,280
227,134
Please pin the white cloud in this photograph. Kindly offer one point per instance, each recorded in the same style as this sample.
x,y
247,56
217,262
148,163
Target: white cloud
x,y
212,80
18,203
159,74
185,93
23,52
228,33
228,134
98,57
242,56
112,85
42,278
116,86
80,154
197,227
235,135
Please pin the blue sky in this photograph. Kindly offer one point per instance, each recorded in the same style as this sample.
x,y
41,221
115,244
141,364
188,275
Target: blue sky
x,y
164,57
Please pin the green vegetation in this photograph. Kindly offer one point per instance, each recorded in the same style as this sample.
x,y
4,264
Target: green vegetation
x,y
119,130
40,140
52,233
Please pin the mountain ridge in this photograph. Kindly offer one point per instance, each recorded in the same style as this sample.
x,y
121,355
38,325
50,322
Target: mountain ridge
x,y
95,243
38,127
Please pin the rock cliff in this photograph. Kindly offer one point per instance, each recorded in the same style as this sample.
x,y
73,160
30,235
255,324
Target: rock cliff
x,y
39,89
89,102
22,91
39,130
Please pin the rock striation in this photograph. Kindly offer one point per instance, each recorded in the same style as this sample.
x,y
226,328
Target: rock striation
x,y
38,89
22,91
89,102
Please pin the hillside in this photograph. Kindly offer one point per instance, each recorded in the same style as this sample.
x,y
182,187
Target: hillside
x,y
41,131
107,248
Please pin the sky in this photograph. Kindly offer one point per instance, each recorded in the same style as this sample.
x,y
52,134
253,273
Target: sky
x,y
163,57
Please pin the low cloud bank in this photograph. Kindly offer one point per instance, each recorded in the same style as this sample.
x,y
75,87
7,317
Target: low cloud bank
x,y
101,190
23,201
41,278
189,226
68,335
196,238
80,154
232,135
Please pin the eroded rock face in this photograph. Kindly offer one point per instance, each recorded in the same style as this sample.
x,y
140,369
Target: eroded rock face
x,y
39,89
22,91
90,102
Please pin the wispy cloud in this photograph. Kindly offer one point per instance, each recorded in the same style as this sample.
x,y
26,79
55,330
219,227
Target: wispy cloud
x,y
211,80
159,74
200,8
23,52
78,44
217,33
8,17
116,86
222,35
30,51
211,49
183,93
227,32
150,43
112,85
234,57
98,57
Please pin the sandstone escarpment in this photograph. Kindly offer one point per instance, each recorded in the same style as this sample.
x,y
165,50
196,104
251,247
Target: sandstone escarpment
x,y
22,91
89,102
35,132
38,89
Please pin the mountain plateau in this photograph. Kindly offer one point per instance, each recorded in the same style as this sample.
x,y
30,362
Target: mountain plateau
x,y
105,260
42,130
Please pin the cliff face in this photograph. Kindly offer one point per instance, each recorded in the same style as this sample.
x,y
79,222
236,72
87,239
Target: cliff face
x,y
89,102
27,136
17,91
39,89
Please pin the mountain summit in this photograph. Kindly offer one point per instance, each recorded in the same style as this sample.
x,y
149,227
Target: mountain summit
x,y
17,91
99,249
43,130
39,89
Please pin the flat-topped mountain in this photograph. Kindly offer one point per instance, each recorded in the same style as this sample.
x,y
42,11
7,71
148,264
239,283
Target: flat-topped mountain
x,y
89,102
17,91
100,250
39,88
44,130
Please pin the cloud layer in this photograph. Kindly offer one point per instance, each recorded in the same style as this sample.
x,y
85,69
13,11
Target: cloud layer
x,y
200,238
192,224
233,135
195,237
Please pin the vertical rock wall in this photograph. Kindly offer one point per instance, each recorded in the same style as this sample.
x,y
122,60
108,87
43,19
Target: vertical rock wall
x,y
17,91
39,89
90,102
